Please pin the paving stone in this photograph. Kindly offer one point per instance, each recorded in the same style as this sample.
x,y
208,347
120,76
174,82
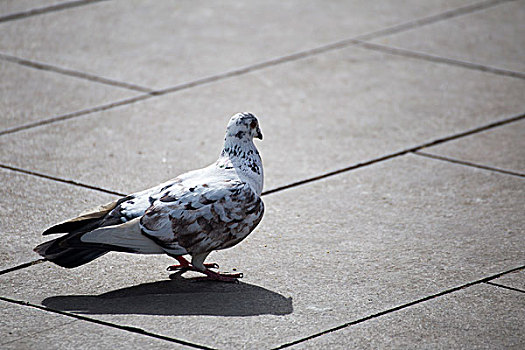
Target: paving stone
x,y
164,43
18,322
514,280
326,253
493,37
28,328
317,115
8,7
479,317
28,95
29,205
502,147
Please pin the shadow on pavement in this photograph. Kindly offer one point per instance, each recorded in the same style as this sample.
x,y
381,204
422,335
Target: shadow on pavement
x,y
179,297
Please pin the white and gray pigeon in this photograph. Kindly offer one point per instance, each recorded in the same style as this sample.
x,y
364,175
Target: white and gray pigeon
x,y
203,210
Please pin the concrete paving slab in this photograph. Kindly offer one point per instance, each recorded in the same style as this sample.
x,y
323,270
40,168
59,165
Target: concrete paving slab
x,y
479,317
29,205
514,280
27,328
28,95
502,148
8,7
326,253
164,43
18,322
317,115
493,37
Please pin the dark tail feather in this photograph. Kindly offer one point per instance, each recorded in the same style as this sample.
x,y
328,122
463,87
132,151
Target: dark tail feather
x,y
68,257
69,226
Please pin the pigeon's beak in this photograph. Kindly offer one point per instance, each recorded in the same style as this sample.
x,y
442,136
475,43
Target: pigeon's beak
x,y
259,134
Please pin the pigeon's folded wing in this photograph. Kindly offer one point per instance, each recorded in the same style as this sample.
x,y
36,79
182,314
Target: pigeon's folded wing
x,y
204,218
114,213
90,219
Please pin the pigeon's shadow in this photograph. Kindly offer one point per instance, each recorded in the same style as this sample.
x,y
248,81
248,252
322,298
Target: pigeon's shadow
x,y
179,297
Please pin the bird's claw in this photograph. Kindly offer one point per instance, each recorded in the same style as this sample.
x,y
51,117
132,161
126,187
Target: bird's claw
x,y
225,277
177,268
235,275
184,268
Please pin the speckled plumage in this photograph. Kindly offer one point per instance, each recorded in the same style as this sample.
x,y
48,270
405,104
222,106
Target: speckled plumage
x,y
197,212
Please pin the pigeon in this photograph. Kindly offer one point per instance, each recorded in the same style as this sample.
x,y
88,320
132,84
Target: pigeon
x,y
195,213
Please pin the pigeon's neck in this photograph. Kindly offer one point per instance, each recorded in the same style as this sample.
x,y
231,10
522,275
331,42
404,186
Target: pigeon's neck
x,y
243,156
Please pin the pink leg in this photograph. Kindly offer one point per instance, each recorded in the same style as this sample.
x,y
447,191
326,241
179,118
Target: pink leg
x,y
186,265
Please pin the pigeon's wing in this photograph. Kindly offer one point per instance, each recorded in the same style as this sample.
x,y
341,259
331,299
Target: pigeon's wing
x,y
203,218
114,226
113,213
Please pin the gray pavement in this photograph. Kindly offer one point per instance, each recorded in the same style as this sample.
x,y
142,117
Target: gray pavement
x,y
394,157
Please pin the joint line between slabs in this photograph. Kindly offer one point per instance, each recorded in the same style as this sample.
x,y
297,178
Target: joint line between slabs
x,y
76,114
54,178
401,153
47,9
448,14
505,287
358,40
439,59
400,307
72,73
469,164
104,323
22,266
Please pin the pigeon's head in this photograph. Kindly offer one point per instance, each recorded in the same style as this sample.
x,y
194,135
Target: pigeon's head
x,y
243,126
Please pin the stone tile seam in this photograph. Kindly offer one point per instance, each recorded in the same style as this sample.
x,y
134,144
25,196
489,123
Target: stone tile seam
x,y
439,59
400,307
58,179
22,266
402,152
105,323
445,15
505,287
47,9
469,164
72,73
76,114
360,39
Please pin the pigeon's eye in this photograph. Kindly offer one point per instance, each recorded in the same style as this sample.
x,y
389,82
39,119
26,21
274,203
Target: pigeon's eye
x,y
253,124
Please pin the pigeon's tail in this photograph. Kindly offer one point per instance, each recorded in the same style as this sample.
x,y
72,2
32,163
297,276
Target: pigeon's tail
x,y
80,247
88,221
60,250
67,257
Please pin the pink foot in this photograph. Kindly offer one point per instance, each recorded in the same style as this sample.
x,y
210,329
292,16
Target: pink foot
x,y
224,277
186,265
190,267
